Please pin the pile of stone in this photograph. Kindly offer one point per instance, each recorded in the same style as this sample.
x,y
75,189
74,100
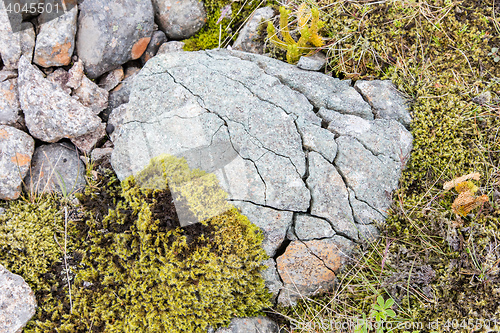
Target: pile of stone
x,y
314,159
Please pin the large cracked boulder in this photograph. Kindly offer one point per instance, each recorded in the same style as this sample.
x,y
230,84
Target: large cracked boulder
x,y
300,153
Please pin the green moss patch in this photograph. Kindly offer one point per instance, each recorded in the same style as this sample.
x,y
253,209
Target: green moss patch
x,y
138,271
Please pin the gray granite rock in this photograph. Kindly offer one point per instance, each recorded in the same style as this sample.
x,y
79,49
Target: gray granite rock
x,y
50,113
250,325
119,95
55,168
75,75
88,141
179,19
371,177
17,302
308,227
60,77
258,125
91,95
321,90
100,154
314,62
10,37
10,110
6,74
55,41
16,149
330,199
111,79
251,37
387,102
156,41
27,39
380,136
172,46
110,33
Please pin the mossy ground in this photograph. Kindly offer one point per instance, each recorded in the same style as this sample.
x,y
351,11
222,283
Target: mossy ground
x,y
435,265
131,267
222,34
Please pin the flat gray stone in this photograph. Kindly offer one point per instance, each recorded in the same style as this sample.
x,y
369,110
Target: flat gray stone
x,y
55,41
16,149
318,139
380,136
387,102
249,39
17,302
330,199
321,90
179,19
172,46
55,168
272,278
309,227
313,62
371,177
363,213
50,113
112,32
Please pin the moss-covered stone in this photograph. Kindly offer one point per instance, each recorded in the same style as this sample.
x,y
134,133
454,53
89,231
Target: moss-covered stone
x,y
138,271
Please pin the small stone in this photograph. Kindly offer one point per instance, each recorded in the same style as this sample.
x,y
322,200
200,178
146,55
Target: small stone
x,y
17,302
172,46
250,325
309,227
484,98
55,168
75,75
119,95
88,141
179,19
10,109
109,129
111,79
156,41
55,40
100,154
50,113
91,95
27,39
313,62
251,37
16,149
7,74
60,77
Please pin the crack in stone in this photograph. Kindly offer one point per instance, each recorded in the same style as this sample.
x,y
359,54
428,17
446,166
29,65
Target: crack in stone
x,y
314,254
158,120
340,233
295,117
365,99
225,123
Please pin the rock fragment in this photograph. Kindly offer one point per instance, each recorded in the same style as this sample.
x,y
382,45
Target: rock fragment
x,y
179,19
10,110
16,149
251,37
156,41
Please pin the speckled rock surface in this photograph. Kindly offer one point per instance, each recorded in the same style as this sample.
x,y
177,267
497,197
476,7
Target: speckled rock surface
x,y
157,39
179,19
297,151
55,42
17,302
50,113
250,325
112,32
10,38
9,102
16,149
55,168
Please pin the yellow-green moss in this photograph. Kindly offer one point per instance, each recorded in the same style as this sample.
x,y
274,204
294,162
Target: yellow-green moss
x,y
137,270
208,36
